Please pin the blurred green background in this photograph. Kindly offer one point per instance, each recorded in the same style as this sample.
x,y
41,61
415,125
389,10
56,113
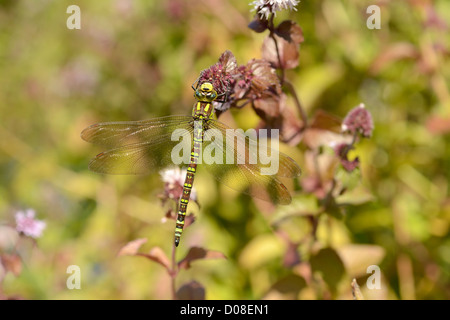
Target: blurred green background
x,y
135,60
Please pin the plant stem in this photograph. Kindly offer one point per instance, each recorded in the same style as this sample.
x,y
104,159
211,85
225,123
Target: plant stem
x,y
173,273
283,81
272,35
299,106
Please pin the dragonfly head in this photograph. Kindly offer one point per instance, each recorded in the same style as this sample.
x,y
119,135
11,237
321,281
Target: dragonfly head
x,y
206,92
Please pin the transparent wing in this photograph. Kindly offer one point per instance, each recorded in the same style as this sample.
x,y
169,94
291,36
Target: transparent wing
x,y
141,147
121,133
274,162
238,165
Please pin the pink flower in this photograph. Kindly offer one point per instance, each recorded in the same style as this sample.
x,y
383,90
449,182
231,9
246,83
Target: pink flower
x,y
173,179
358,120
28,225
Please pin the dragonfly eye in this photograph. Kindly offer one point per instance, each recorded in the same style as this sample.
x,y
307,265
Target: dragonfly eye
x,y
198,94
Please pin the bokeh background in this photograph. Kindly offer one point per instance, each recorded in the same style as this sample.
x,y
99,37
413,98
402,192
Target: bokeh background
x,y
135,60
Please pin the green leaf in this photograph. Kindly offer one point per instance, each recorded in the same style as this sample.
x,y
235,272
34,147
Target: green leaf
x,y
328,263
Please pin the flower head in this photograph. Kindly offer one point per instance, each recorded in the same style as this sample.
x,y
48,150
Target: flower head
x,y
28,225
220,75
266,7
358,120
253,81
173,183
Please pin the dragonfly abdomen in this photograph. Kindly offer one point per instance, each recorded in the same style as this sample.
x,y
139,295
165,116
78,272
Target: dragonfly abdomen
x,y
184,201
189,181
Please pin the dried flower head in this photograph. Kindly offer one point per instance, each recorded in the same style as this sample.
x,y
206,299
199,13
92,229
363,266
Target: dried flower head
x,y
358,120
256,77
265,7
220,75
28,225
253,81
173,183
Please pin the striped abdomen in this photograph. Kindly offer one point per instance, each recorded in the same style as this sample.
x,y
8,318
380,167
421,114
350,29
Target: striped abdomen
x,y
189,181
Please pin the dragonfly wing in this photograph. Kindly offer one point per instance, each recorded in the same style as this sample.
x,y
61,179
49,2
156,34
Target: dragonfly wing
x,y
280,166
236,171
146,157
243,179
121,133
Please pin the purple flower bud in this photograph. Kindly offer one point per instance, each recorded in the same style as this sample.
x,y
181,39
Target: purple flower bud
x,y
359,120
341,151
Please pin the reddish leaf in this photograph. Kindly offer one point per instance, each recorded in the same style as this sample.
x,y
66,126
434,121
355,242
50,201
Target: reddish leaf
x,y
325,130
291,256
291,130
312,184
190,219
321,170
438,125
132,247
170,214
191,291
277,115
196,253
396,51
268,108
156,254
290,31
326,121
288,52
11,263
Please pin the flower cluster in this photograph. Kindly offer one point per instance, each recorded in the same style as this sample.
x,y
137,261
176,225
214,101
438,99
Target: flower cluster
x,y
265,7
358,120
28,225
173,184
220,75
243,84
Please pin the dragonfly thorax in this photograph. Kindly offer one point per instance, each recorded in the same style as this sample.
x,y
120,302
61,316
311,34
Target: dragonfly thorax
x,y
205,95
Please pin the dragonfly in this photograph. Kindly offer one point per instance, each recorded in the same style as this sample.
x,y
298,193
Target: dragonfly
x,y
146,146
